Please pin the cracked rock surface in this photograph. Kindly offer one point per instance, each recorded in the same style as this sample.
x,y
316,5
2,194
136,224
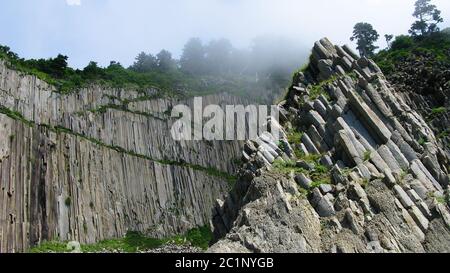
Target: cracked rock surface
x,y
99,162
386,188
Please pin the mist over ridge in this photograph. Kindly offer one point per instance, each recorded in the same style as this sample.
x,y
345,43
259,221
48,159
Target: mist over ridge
x,y
101,31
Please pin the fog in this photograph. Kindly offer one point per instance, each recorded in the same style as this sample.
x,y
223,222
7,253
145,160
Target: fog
x,y
105,30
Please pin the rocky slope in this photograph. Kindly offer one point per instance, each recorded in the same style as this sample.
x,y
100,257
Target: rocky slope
x,y
100,162
424,83
362,171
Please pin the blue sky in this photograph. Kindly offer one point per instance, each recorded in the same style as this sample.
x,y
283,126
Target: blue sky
x,y
104,30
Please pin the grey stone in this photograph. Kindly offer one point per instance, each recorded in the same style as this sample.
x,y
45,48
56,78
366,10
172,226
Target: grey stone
x,y
389,178
363,62
364,171
325,68
336,111
321,51
420,219
315,118
303,181
348,147
320,108
267,154
353,222
403,197
325,188
325,208
310,147
419,188
304,165
316,196
398,155
387,156
421,176
375,125
315,137
327,161
350,52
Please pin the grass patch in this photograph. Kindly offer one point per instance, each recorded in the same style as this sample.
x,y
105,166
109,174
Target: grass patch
x,y
15,115
133,242
367,155
438,110
50,247
319,175
364,182
316,184
422,141
319,89
310,158
441,199
285,167
294,137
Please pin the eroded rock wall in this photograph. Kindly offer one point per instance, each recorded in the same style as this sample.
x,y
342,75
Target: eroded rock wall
x,y
94,164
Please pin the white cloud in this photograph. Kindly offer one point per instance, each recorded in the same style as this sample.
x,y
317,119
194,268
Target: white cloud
x,y
73,2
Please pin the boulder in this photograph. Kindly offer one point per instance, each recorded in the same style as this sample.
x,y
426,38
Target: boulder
x,y
303,181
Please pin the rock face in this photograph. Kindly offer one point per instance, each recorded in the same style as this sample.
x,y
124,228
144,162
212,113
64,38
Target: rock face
x,y
94,164
424,83
386,188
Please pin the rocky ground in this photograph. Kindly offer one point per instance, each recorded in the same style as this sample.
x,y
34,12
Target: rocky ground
x,y
76,247
173,248
358,170
169,248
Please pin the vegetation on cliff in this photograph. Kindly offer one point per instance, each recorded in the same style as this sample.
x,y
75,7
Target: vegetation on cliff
x,y
425,39
202,69
133,242
403,48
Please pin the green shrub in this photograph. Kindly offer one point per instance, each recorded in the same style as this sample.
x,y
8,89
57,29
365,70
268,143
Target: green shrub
x,y
422,141
133,241
438,110
200,237
402,42
283,166
436,44
316,184
50,247
294,137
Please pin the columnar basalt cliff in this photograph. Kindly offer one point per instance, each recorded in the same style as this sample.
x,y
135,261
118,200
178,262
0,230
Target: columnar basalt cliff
x,y
424,83
100,162
358,168
362,171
